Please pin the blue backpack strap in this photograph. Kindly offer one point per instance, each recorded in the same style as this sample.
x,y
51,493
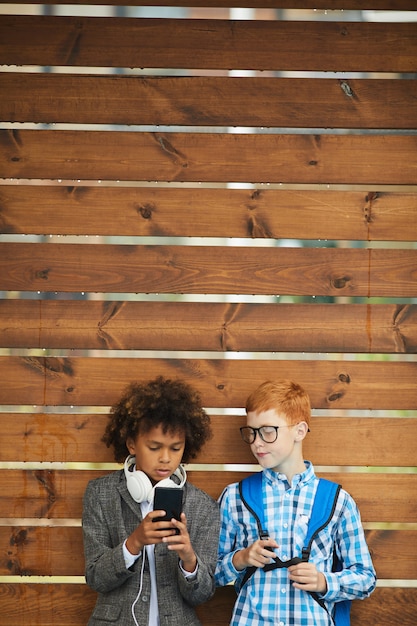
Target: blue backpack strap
x,y
341,615
323,510
250,491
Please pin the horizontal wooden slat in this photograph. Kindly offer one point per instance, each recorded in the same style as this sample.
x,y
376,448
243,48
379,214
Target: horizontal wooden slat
x,y
209,157
35,551
332,440
71,605
222,383
205,269
57,494
388,548
208,44
46,494
216,327
209,101
46,604
58,551
207,212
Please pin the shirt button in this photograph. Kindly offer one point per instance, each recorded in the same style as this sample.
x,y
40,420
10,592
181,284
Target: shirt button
x,y
144,598
281,623
285,557
283,590
285,525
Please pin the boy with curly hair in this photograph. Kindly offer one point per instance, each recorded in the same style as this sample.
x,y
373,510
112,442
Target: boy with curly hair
x,y
147,572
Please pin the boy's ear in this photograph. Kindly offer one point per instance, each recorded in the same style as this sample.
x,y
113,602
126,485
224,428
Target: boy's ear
x,y
301,430
130,445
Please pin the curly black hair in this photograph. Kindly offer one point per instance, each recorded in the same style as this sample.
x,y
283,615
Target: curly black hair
x,y
171,404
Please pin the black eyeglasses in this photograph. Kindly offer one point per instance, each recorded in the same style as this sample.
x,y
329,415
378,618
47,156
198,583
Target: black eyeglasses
x,y
269,434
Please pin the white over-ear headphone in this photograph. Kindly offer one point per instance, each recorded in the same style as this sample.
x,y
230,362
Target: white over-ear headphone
x,y
139,485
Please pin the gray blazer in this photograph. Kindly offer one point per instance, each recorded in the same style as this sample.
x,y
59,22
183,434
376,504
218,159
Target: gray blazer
x,y
109,516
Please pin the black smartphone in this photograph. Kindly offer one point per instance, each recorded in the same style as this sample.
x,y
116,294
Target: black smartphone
x,y
168,499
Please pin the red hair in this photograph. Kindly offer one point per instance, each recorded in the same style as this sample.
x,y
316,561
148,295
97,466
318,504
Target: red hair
x,y
285,396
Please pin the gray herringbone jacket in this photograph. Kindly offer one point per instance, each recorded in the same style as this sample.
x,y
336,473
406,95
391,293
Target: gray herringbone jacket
x,y
109,517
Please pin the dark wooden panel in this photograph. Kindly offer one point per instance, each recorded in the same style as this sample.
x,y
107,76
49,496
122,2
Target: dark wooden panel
x,y
205,269
72,604
216,327
222,383
56,494
332,441
209,157
208,44
38,551
46,604
209,101
58,551
371,493
46,494
207,212
388,548
54,437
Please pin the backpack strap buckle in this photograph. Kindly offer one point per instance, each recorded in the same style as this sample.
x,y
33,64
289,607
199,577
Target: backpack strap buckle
x,y
305,554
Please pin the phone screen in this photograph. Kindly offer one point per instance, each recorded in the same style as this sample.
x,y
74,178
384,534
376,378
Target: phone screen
x,y
168,499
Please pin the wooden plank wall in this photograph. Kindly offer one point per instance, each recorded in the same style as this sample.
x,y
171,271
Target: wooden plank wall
x,y
227,200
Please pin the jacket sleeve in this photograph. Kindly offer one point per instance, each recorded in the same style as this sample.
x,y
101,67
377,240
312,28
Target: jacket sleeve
x,y
105,564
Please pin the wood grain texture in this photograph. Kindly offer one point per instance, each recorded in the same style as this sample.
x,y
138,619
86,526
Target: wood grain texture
x,y
72,604
48,604
58,551
219,327
209,157
57,494
206,212
209,101
379,152
208,44
41,437
205,269
222,383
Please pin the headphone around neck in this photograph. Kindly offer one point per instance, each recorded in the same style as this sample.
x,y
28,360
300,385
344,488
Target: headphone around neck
x,y
139,485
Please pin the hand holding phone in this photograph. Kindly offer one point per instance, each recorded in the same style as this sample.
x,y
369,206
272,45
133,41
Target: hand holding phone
x,y
168,499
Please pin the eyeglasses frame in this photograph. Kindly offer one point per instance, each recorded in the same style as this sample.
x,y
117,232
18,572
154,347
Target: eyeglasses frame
x,y
257,431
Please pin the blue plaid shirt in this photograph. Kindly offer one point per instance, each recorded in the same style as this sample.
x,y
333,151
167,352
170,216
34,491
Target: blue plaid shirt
x,y
269,597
